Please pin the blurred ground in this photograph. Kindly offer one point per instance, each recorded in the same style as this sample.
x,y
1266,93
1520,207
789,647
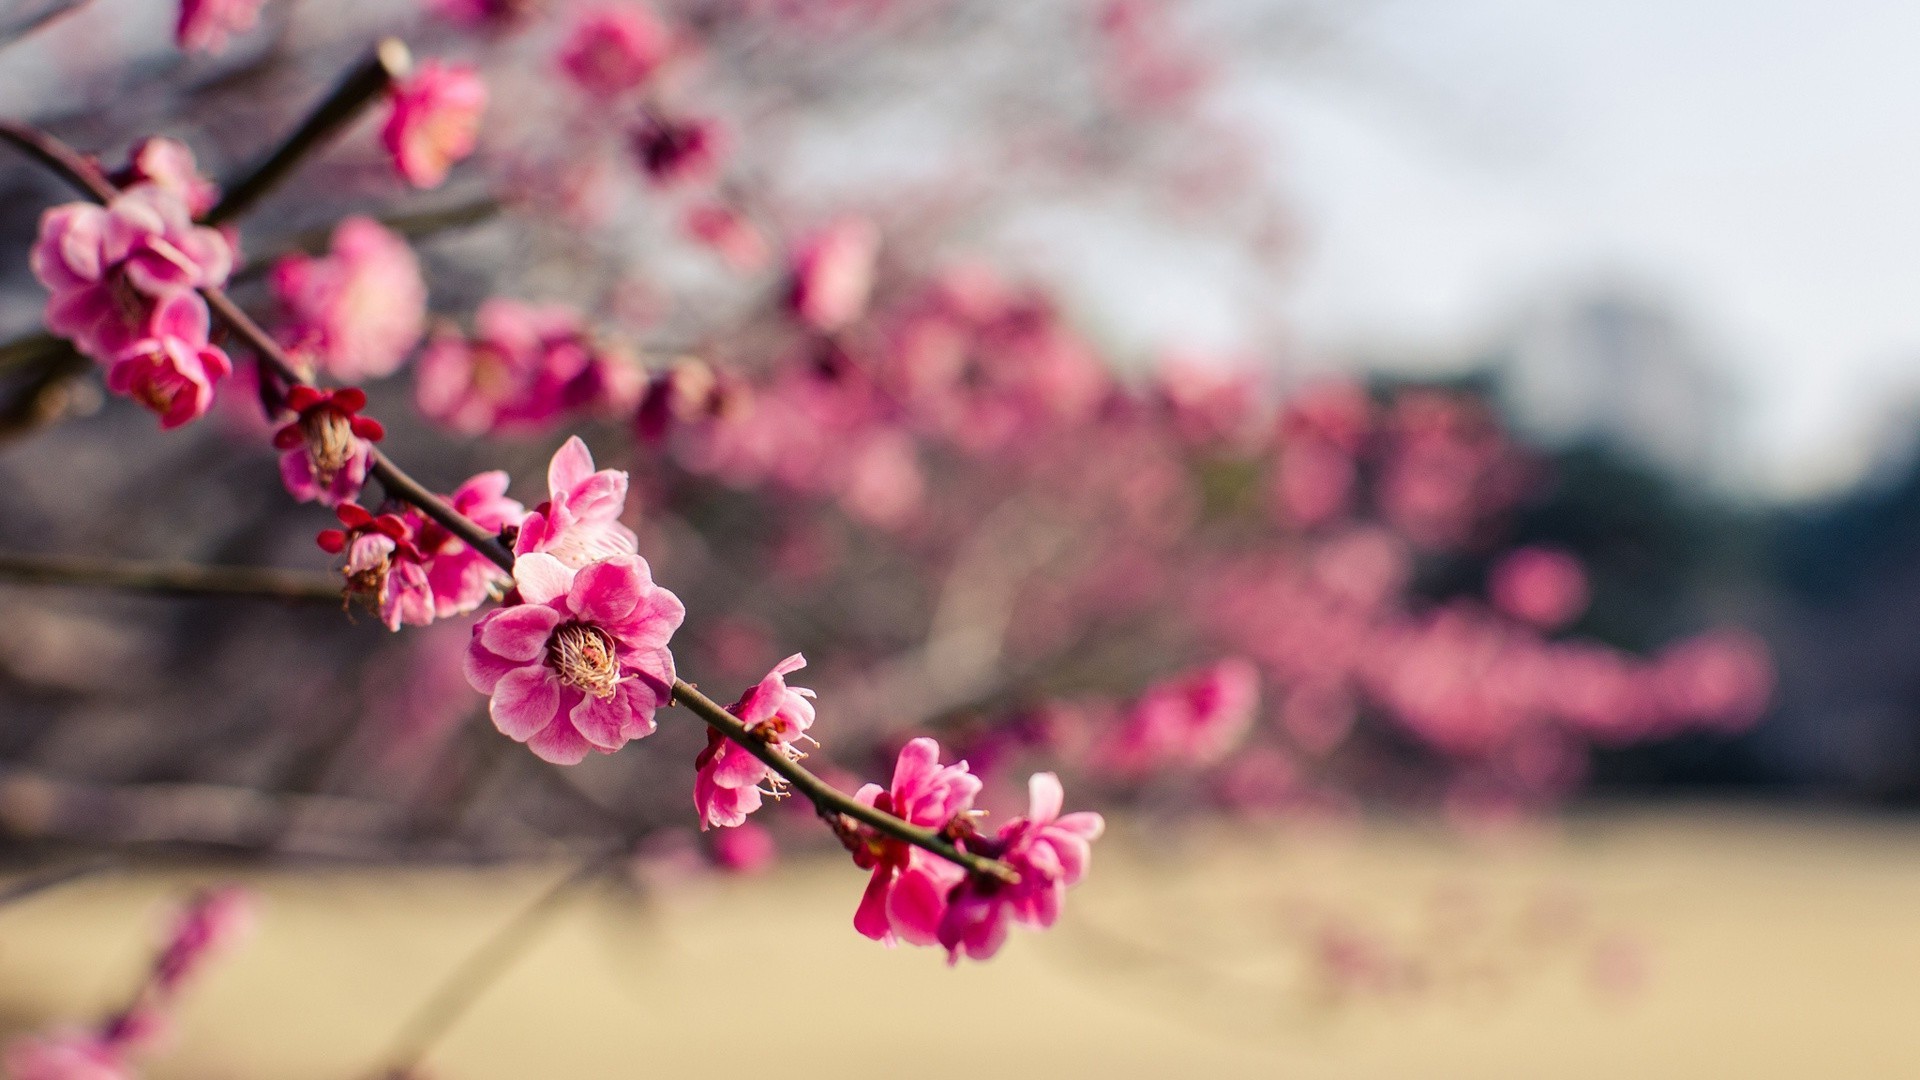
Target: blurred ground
x,y
1699,943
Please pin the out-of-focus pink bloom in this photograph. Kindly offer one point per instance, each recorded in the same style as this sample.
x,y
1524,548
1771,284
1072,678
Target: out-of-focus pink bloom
x,y
359,310
727,778
460,576
524,368
1543,586
1721,679
615,49
435,121
326,447
581,663
1209,403
729,234
168,164
679,151
108,266
906,896
206,24
833,274
748,849
580,521
497,14
1192,719
1048,851
210,922
384,566
1314,482
70,1055
173,369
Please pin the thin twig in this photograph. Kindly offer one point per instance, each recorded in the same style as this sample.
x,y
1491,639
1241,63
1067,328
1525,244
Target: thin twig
x,y
367,80
35,884
483,968
180,579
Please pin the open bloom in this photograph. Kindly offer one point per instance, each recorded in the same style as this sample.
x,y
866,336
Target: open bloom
x,y
205,24
168,164
109,266
1048,851
359,310
459,576
580,521
906,896
384,568
525,366
614,49
727,783
173,368
435,121
582,662
327,449
833,274
1196,718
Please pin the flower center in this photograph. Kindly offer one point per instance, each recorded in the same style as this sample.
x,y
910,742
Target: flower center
x,y
330,442
584,656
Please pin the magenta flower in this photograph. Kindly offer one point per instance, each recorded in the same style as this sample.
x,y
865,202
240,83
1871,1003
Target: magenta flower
x,y
1194,719
65,1055
727,781
580,521
460,577
1048,851
679,151
435,121
206,24
728,234
384,567
171,370
108,266
614,49
833,274
327,451
525,366
209,923
1543,586
906,896
168,164
359,310
581,662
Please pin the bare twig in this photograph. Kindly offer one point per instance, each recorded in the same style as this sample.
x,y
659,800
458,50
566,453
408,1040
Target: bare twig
x,y
182,579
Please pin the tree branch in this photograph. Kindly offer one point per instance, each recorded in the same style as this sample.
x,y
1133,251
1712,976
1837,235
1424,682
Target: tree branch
x,y
179,579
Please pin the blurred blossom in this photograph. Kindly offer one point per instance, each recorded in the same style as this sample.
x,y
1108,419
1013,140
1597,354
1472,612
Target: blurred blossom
x,y
205,25
614,49
1543,586
357,311
833,273
434,121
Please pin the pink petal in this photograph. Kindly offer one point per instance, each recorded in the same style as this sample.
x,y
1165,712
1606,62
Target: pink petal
x,y
572,464
870,918
525,701
602,721
606,593
518,633
541,578
1045,795
560,744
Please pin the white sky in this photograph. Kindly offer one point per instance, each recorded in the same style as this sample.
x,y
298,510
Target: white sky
x,y
1758,162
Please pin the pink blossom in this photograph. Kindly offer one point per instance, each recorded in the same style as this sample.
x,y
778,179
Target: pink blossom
x,y
173,369
205,24
168,164
459,576
1546,587
435,121
1723,678
1196,718
675,151
108,266
614,49
525,367
487,13
384,567
1048,851
211,921
327,446
906,896
580,521
728,233
748,849
833,274
359,310
68,1055
581,662
728,778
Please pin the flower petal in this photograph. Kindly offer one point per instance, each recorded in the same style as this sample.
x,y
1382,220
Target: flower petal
x,y
541,578
518,633
525,701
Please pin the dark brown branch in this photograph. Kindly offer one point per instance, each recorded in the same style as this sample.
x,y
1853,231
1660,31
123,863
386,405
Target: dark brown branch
x,y
71,166
179,579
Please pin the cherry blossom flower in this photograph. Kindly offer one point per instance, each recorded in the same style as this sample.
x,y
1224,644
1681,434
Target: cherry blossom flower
x,y
728,233
327,451
1196,718
525,367
168,164
905,898
833,274
384,566
581,663
435,121
359,310
173,369
748,849
206,24
1546,587
108,266
614,49
580,521
728,778
676,151
1048,851
459,576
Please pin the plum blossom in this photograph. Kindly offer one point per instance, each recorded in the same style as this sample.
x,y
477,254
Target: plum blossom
x,y
728,234
525,367
435,121
359,310
1195,718
384,567
728,781
581,663
833,274
614,49
1048,851
327,451
1543,586
460,577
580,521
905,898
109,266
173,369
205,25
748,849
168,164
675,151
